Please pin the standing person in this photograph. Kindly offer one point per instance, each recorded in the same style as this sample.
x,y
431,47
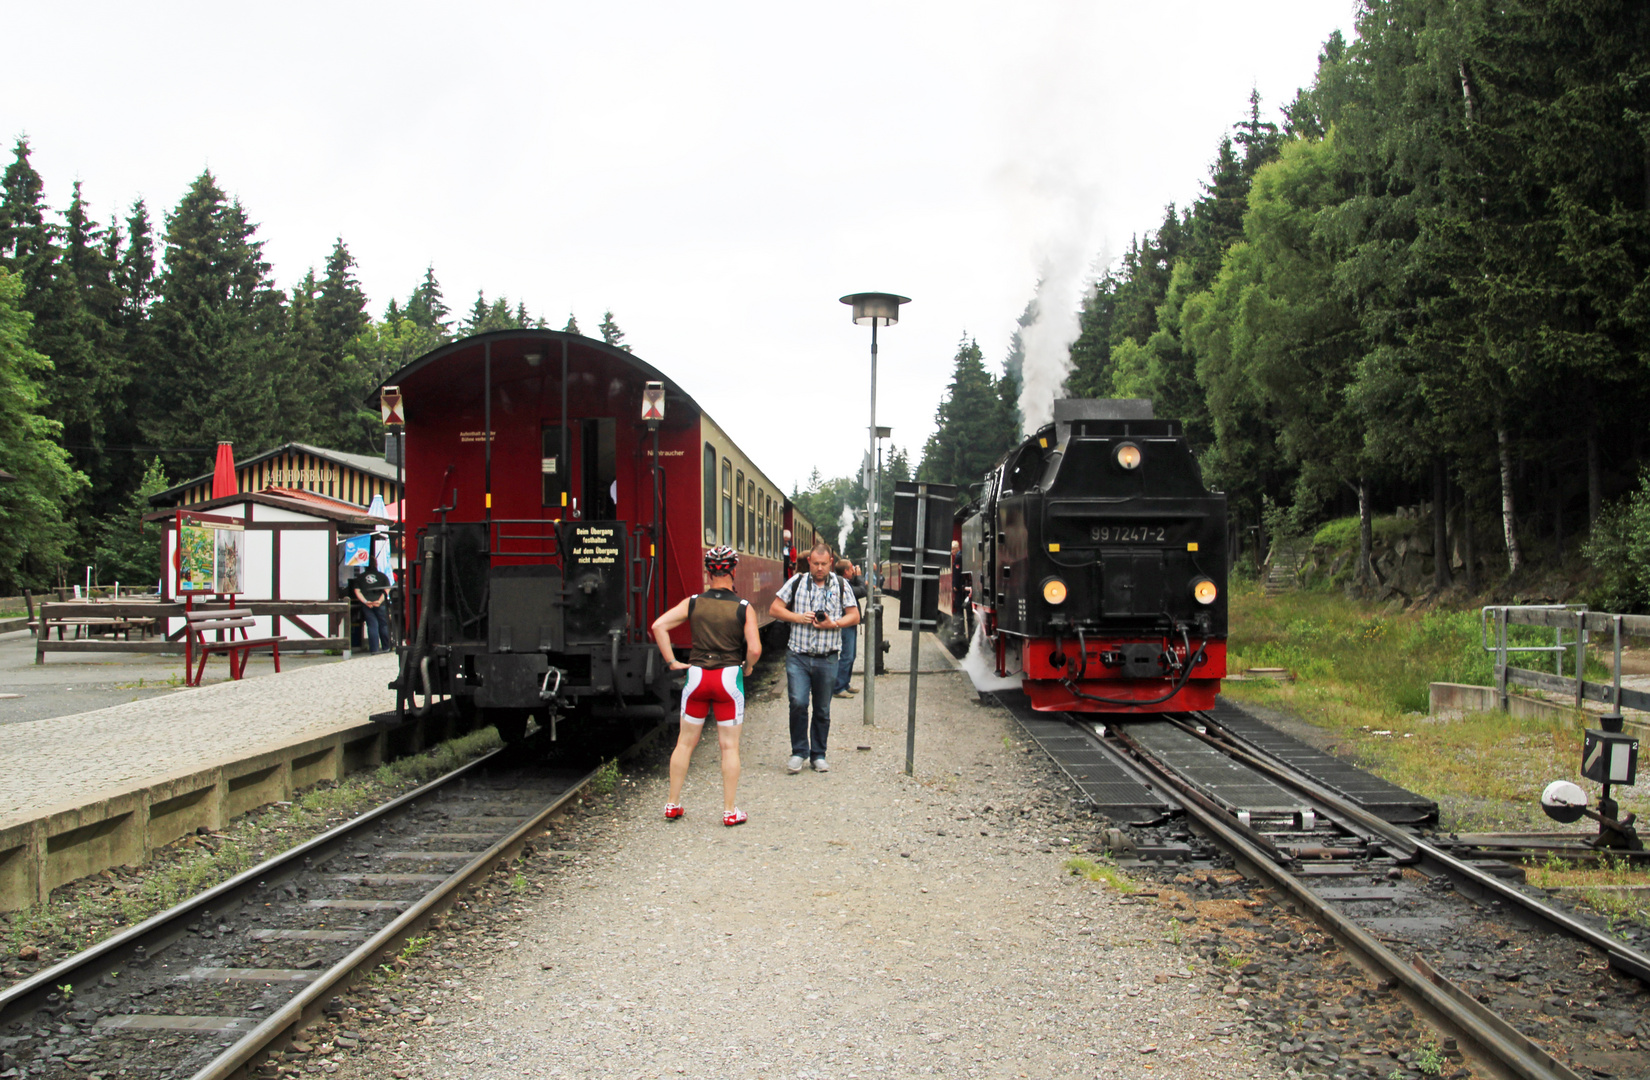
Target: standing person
x,y
850,634
371,587
819,606
725,650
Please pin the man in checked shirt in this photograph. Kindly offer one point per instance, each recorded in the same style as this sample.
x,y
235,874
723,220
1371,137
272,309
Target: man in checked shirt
x,y
819,605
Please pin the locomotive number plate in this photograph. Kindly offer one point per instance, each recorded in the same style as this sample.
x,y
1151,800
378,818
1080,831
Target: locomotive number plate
x,y
1128,534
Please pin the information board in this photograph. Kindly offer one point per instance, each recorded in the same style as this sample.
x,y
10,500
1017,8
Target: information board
x,y
211,554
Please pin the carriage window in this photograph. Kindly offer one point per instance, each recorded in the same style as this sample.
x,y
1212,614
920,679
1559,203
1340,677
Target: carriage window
x,y
739,510
727,501
761,514
750,512
600,479
710,494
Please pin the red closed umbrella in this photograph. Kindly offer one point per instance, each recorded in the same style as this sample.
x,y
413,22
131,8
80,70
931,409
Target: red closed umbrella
x,y
223,473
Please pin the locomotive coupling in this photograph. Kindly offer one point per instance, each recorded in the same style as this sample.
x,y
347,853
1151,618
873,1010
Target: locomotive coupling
x,y
550,688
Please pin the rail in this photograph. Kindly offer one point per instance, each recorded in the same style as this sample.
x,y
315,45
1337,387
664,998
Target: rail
x,y
1497,1042
1560,618
138,944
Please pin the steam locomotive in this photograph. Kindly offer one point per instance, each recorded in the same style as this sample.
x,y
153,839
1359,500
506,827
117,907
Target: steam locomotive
x,y
554,508
1094,565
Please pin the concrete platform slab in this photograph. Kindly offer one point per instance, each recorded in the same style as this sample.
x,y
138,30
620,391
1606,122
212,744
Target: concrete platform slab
x,y
82,792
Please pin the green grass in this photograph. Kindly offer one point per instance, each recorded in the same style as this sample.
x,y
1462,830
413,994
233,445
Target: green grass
x,y
1362,674
1100,870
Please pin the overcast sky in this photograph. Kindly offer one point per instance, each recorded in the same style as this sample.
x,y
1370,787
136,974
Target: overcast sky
x,y
716,174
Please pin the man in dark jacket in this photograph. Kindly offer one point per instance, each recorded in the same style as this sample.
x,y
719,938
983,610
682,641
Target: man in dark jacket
x,y
371,588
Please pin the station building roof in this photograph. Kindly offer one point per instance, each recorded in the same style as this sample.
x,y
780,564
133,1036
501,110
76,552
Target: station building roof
x,y
297,502
346,478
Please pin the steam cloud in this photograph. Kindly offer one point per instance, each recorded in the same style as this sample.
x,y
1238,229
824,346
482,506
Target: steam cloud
x,y
847,523
1065,253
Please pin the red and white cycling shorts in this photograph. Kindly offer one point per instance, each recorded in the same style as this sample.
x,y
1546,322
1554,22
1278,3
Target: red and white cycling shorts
x,y
721,690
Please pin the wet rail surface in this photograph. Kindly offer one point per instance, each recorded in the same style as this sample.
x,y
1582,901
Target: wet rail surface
x,y
205,989
1526,988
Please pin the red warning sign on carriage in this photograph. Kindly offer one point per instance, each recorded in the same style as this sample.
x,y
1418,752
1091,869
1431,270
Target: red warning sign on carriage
x,y
653,401
389,400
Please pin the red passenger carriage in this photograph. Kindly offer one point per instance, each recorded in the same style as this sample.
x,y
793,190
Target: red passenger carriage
x,y
548,523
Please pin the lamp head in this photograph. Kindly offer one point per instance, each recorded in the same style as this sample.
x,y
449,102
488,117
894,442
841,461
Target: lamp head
x,y
874,308
1564,802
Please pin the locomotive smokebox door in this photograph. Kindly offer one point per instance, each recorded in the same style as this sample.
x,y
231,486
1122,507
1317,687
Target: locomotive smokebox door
x,y
597,595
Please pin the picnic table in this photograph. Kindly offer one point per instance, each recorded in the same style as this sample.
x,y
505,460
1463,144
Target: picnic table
x,y
332,633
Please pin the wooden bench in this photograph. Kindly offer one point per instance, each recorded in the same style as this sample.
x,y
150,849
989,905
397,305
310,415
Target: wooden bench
x,y
95,626
225,624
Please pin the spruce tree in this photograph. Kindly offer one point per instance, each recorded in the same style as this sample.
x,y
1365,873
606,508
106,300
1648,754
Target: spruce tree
x,y
611,332
572,326
426,308
128,549
35,533
969,434
218,324
340,321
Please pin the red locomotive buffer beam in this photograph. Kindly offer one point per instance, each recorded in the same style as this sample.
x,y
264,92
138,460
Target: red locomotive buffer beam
x,y
1050,686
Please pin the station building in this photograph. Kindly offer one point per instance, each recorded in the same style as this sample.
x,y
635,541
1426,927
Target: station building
x,y
299,503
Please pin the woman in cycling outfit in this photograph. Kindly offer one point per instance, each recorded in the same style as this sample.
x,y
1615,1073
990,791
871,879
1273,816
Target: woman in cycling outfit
x,y
725,650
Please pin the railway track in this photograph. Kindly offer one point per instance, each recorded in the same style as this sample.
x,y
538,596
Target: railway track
x,y
1524,988
208,988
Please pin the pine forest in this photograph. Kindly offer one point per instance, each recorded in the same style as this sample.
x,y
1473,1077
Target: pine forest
x,y
1423,282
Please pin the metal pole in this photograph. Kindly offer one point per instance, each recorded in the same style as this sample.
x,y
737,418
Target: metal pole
x,y
658,540
1617,698
869,634
1581,654
1501,657
487,432
563,467
915,615
400,564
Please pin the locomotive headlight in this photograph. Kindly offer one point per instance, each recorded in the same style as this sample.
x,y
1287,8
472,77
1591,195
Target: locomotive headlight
x,y
1204,591
1054,591
1128,455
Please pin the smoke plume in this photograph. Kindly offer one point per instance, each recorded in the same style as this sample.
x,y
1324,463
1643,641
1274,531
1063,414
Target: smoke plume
x,y
1066,251
846,521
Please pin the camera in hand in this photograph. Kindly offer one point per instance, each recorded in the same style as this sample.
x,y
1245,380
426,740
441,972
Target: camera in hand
x,y
821,615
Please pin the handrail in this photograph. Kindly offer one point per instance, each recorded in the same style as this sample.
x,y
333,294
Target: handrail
x,y
1561,617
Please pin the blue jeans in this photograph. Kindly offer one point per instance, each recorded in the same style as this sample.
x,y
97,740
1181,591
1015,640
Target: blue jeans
x,y
845,666
805,674
377,620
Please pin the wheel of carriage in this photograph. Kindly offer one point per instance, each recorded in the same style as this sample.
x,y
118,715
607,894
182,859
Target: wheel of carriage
x,y
511,723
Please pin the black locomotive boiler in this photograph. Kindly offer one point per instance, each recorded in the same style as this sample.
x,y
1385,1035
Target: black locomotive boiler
x,y
1094,565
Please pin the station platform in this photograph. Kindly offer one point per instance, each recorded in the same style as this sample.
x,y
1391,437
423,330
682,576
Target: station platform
x,y
90,790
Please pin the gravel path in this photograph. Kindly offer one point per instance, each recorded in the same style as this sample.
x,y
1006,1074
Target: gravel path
x,y
861,924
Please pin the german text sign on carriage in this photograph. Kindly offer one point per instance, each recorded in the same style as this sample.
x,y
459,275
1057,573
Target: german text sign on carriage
x,y
211,555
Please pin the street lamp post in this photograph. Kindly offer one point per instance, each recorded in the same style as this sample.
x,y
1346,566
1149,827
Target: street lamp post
x,y
875,309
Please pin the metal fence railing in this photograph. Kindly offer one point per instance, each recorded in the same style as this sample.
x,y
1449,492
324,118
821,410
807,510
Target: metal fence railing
x,y
1572,621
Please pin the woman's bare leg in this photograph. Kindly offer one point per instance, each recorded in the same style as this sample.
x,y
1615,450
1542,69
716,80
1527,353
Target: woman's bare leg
x,y
728,739
679,758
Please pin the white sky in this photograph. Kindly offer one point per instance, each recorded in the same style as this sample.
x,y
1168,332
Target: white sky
x,y
717,174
